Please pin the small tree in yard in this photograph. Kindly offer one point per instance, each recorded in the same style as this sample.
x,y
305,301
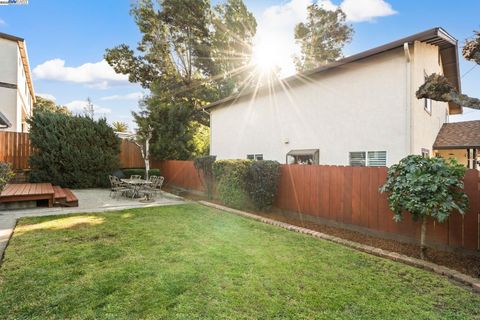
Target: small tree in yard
x,y
142,138
425,187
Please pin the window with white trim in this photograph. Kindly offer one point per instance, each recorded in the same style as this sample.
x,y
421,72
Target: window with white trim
x,y
427,105
357,159
425,153
256,157
370,158
377,158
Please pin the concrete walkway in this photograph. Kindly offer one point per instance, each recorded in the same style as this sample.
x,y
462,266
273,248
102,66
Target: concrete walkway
x,y
89,200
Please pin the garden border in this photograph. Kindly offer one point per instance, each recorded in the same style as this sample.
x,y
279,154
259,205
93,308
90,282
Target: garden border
x,y
441,270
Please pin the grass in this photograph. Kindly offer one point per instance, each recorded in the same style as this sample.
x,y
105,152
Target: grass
x,y
191,262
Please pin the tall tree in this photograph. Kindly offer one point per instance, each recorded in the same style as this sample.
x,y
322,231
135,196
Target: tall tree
x,y
232,44
321,38
187,55
46,105
119,126
89,109
438,88
142,138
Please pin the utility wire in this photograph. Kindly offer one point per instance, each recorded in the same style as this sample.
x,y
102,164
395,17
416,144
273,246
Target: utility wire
x,y
463,75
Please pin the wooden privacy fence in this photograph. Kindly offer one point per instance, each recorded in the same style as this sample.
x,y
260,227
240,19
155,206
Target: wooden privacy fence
x,y
344,195
182,174
349,196
15,148
130,155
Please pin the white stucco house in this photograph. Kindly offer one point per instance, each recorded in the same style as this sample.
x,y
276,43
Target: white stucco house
x,y
16,87
360,110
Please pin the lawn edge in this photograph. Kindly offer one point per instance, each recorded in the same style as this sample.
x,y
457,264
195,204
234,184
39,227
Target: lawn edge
x,y
426,265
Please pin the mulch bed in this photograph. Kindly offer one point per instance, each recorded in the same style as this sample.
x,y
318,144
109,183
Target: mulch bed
x,y
467,264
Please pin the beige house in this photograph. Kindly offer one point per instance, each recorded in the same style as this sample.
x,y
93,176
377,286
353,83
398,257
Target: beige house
x,y
16,88
360,110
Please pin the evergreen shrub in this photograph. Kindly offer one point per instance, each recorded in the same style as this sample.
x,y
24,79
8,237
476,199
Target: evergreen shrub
x,y
245,184
74,152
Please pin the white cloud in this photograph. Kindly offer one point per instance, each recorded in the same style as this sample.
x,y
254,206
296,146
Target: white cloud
x,y
47,96
2,22
276,26
78,106
99,74
327,5
366,10
129,96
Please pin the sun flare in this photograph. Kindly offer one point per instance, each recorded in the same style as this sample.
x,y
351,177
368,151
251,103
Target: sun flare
x,y
267,57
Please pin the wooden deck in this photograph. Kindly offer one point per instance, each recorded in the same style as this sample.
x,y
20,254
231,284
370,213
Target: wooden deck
x,y
17,192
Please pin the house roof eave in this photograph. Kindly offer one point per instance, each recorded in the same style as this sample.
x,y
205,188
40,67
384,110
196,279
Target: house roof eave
x,y
436,36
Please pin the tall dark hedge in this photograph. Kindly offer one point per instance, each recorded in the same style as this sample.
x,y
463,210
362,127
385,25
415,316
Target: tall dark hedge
x,y
74,152
231,186
245,184
262,183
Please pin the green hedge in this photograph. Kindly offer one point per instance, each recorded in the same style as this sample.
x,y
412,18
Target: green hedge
x,y
6,174
230,176
245,184
74,152
262,183
129,172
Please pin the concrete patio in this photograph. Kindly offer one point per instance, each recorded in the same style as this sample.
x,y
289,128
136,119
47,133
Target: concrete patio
x,y
90,200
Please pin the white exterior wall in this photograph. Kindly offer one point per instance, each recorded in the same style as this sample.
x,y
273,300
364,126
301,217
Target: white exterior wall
x,y
8,74
360,106
15,104
425,125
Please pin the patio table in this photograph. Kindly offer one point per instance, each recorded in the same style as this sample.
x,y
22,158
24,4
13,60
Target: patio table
x,y
136,185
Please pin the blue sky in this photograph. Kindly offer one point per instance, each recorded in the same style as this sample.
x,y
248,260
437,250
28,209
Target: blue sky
x,y
66,41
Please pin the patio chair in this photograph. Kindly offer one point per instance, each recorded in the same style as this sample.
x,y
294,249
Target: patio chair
x,y
153,188
116,186
157,184
135,177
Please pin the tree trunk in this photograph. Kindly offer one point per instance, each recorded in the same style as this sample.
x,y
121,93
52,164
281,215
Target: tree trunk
x,y
423,247
147,157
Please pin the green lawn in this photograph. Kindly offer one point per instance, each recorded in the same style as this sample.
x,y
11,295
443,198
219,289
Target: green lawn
x,y
191,262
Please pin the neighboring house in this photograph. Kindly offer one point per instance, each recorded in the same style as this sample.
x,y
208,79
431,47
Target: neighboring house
x,y
460,140
360,110
16,87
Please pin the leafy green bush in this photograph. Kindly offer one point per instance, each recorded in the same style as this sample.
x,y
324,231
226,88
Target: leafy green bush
x,y
425,187
231,186
245,184
75,152
262,183
204,166
129,172
6,174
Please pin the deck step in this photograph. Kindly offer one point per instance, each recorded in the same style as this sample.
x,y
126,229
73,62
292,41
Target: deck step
x,y
71,199
60,196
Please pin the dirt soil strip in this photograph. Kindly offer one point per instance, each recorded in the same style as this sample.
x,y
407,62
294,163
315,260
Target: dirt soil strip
x,y
453,274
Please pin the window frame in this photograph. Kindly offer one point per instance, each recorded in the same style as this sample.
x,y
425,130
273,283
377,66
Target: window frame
x,y
255,156
367,158
425,153
357,152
